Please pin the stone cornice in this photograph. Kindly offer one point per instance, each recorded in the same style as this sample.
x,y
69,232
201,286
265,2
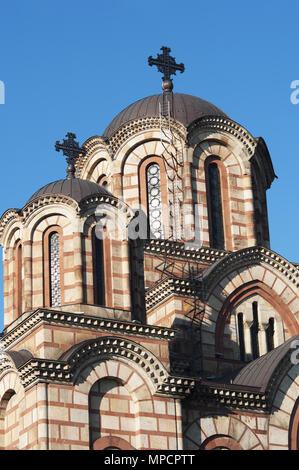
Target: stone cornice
x,y
96,200
231,397
169,287
82,321
148,123
181,250
248,257
226,125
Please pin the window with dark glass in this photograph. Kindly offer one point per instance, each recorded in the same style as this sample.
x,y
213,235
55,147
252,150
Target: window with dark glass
x,y
98,269
216,213
19,278
241,336
154,200
254,329
54,265
270,335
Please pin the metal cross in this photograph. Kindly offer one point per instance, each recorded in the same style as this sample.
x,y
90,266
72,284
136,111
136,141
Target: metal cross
x,y
70,148
166,64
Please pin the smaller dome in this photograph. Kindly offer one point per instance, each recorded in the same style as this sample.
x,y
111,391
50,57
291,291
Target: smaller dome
x,y
75,188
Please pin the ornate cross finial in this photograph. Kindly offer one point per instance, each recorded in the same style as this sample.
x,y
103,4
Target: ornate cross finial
x,y
71,150
166,65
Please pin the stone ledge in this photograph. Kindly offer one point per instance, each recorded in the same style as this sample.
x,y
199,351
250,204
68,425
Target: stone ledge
x,y
83,321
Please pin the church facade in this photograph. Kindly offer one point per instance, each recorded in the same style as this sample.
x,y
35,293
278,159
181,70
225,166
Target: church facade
x,y
143,306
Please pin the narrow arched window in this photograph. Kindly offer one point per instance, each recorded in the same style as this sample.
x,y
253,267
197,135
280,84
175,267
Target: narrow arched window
x,y
98,269
241,336
216,213
154,200
19,275
54,268
270,334
254,329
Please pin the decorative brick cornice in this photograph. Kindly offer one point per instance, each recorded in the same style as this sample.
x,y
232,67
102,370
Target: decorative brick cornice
x,y
223,124
222,396
23,214
45,201
92,323
181,250
97,200
169,287
248,257
136,126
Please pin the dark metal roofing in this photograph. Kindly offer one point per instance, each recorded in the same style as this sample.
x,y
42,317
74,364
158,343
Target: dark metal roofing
x,y
75,188
186,108
20,357
259,372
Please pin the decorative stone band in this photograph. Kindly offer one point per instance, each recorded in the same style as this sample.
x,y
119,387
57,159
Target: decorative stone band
x,y
181,250
83,321
92,145
140,125
96,200
104,348
22,215
230,397
247,257
223,124
169,287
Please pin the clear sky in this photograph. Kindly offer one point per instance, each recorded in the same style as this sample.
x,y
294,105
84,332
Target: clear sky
x,y
72,65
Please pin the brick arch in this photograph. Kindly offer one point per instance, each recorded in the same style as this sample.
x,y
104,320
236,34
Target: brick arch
x,y
294,428
217,441
211,431
131,160
99,165
125,353
240,294
232,174
10,389
284,417
112,441
149,428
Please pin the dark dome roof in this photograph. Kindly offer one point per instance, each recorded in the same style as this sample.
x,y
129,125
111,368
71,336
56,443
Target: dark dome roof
x,y
75,188
186,108
259,372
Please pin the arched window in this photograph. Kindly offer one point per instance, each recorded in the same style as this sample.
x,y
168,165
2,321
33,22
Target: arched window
x,y
154,200
19,277
241,336
98,269
54,267
215,206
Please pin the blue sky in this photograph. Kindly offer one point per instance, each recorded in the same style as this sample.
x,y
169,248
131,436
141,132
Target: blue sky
x,y
69,65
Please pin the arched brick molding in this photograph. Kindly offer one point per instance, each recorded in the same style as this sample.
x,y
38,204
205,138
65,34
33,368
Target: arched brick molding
x,y
155,429
11,396
112,441
221,443
202,431
241,293
294,428
284,416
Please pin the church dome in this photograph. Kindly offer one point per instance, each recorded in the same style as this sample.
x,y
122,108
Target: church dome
x,y
186,108
75,188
